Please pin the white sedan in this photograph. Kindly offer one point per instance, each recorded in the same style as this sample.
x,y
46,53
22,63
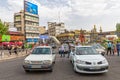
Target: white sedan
x,y
86,59
41,58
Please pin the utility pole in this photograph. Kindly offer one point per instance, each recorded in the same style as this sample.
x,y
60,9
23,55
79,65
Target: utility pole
x,y
24,21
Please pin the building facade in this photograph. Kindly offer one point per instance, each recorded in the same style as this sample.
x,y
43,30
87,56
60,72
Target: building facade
x,y
28,25
42,29
55,29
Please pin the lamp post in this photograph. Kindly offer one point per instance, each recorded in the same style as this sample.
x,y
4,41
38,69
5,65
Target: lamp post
x,y
24,22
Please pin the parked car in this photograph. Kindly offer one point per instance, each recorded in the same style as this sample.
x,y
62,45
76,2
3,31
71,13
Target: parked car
x,y
41,58
99,48
86,59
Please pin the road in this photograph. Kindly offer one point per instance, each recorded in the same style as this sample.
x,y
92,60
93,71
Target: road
x,y
63,70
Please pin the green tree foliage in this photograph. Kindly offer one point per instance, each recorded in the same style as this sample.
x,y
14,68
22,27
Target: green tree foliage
x,y
118,29
3,28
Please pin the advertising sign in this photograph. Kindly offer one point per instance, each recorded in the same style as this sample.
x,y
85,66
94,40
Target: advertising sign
x,y
31,8
6,38
29,40
16,38
44,37
0,38
32,39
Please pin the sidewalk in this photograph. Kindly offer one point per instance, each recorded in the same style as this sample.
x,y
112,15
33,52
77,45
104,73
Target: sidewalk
x,y
6,56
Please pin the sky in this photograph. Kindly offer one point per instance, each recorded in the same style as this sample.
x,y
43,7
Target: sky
x,y
76,14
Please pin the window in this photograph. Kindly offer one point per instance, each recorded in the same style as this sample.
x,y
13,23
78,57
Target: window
x,y
41,51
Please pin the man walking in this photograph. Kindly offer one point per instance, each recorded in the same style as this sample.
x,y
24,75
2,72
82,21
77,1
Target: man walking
x,y
62,50
109,48
118,47
112,48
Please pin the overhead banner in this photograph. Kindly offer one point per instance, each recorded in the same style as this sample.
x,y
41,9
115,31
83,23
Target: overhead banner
x,y
44,37
31,8
16,38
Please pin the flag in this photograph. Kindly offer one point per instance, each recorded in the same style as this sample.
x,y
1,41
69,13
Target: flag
x,y
31,8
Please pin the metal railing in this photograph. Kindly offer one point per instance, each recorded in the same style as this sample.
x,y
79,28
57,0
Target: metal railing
x,y
8,53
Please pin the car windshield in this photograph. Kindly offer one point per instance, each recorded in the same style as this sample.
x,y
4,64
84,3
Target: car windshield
x,y
97,46
41,51
86,51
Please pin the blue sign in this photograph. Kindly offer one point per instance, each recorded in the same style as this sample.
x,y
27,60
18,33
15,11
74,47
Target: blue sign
x,y
32,39
31,8
44,37
29,40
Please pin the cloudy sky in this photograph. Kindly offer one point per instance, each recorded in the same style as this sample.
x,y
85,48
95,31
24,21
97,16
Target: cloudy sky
x,y
76,14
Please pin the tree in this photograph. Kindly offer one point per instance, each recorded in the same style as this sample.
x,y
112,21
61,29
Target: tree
x,y
3,28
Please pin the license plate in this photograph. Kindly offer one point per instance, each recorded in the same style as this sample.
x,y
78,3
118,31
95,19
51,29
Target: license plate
x,y
36,66
95,68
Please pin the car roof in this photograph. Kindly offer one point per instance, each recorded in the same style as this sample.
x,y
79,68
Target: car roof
x,y
83,46
43,47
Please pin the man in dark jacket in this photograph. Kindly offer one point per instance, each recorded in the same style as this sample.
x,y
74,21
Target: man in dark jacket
x,y
118,47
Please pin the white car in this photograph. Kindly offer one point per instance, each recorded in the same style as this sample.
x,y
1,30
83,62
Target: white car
x,y
86,59
99,48
41,58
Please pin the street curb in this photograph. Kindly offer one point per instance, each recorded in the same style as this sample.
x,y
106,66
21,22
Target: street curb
x,y
12,57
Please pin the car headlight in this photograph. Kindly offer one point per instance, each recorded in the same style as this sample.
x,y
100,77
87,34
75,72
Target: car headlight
x,y
47,62
104,61
27,61
80,62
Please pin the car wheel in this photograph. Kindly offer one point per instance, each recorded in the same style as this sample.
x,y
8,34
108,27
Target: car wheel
x,y
74,69
51,70
27,71
54,62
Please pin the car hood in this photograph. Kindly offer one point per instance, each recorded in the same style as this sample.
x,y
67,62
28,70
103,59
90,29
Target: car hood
x,y
34,57
100,50
90,57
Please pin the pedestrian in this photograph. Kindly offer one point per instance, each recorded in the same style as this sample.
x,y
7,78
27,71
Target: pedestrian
x,y
9,49
62,50
109,48
23,47
118,47
112,48
15,49
68,50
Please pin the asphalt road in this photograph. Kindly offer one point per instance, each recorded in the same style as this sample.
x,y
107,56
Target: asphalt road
x,y
63,70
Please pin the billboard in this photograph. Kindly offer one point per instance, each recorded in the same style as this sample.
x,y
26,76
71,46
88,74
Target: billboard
x,y
44,37
6,38
31,8
32,39
0,38
16,38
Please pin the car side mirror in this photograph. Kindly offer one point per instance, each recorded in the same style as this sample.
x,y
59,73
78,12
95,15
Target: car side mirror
x,y
102,54
53,53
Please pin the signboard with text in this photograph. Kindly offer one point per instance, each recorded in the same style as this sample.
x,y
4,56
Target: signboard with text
x,y
0,38
31,8
5,38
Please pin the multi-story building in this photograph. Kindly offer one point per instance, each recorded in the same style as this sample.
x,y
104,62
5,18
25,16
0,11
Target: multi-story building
x,y
42,29
55,29
94,34
28,25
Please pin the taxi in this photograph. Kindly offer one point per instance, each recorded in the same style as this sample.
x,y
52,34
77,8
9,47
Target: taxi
x,y
41,58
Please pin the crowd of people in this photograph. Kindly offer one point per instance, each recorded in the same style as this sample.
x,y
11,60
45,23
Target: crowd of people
x,y
112,48
14,48
65,49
